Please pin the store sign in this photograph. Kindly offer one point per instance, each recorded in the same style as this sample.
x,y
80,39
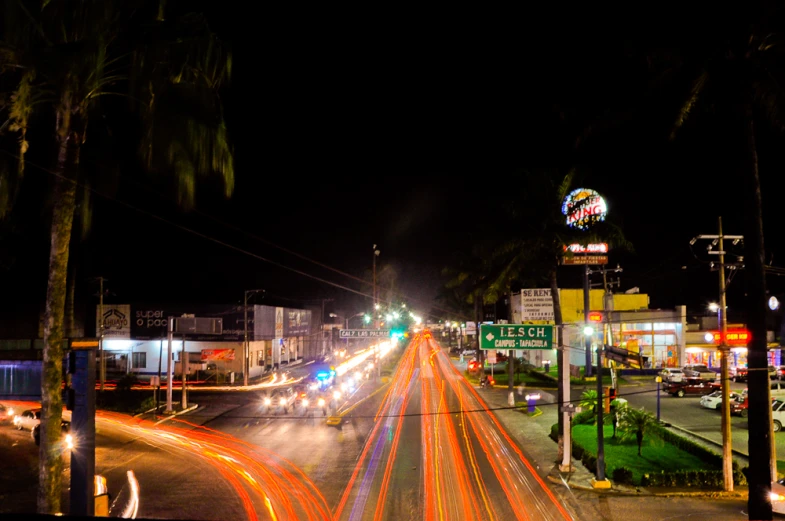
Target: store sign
x,y
536,305
737,337
585,259
116,320
595,316
583,208
217,354
600,247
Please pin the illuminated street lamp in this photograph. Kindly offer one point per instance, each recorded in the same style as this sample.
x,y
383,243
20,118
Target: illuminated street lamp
x,y
588,331
714,307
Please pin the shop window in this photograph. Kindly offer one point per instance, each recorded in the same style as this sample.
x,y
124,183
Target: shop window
x,y
139,360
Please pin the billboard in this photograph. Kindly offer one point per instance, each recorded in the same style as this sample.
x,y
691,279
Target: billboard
x,y
536,305
116,320
209,355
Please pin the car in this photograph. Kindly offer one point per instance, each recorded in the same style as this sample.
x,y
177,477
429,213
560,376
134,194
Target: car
x,y
468,352
778,415
691,386
28,419
700,371
65,427
714,400
284,399
672,374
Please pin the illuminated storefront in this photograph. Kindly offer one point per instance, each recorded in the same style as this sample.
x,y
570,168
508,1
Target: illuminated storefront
x,y
703,347
657,334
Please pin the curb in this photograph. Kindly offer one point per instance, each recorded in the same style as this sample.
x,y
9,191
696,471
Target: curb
x,y
707,440
189,409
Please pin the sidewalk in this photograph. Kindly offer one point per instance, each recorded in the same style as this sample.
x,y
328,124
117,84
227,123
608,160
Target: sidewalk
x,y
532,434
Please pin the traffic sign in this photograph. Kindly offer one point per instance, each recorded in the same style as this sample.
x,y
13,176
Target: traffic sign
x,y
365,333
516,336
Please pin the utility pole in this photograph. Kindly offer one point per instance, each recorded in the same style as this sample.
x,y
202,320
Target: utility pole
x,y
375,293
246,345
586,306
101,360
323,342
727,453
169,368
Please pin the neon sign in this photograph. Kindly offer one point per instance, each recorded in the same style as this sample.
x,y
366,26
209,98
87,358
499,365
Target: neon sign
x,y
595,316
583,208
733,337
600,247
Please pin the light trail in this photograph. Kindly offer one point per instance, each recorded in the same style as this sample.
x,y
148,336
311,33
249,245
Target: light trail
x,y
493,482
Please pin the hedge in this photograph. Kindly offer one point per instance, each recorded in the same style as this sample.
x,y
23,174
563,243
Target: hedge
x,y
673,478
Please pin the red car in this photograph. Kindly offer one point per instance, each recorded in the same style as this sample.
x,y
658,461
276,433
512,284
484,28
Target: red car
x,y
694,386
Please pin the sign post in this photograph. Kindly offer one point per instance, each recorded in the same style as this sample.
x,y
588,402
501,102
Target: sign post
x,y
81,366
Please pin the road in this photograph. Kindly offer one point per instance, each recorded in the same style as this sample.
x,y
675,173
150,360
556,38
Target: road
x,y
687,413
436,452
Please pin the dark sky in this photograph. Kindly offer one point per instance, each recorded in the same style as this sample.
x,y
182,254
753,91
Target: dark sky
x,y
406,132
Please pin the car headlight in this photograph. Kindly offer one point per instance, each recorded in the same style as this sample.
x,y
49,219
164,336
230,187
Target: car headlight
x,y
69,441
267,401
773,496
282,401
337,395
305,402
10,412
321,402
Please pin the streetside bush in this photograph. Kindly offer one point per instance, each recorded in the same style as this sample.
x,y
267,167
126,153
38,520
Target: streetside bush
x,y
622,475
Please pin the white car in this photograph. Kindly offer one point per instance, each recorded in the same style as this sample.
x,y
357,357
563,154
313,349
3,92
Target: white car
x,y
714,400
28,419
672,375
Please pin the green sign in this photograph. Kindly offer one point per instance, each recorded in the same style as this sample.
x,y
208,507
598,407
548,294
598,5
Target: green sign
x,y
516,336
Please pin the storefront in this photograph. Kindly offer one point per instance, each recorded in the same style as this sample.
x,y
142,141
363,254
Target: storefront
x,y
658,335
703,347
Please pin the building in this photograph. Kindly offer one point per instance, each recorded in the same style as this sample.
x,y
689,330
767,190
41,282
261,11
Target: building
x,y
136,341
657,334
703,341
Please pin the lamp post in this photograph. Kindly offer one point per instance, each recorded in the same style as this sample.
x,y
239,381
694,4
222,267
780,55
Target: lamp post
x,y
246,346
659,379
375,295
588,333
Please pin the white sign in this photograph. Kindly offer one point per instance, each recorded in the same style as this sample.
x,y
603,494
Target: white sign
x,y
471,328
536,305
278,322
491,357
116,321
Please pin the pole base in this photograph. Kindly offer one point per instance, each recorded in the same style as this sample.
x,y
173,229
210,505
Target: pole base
x,y
566,468
600,483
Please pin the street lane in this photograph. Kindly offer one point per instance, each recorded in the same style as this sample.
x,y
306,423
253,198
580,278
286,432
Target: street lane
x,y
469,467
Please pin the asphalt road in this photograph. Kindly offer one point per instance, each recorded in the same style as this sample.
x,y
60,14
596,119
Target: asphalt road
x,y
687,413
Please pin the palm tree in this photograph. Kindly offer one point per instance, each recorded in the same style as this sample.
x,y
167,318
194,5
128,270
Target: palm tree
x,y
634,422
589,400
737,74
63,58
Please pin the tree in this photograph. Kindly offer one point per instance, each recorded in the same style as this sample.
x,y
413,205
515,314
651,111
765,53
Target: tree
x,y
63,59
735,73
634,422
589,400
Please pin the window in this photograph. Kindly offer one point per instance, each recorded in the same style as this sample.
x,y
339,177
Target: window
x,y
140,360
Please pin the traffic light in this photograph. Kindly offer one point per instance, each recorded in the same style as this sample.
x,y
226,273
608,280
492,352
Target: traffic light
x,y
623,356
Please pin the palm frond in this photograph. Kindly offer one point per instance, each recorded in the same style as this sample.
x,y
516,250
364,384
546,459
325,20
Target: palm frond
x,y
696,90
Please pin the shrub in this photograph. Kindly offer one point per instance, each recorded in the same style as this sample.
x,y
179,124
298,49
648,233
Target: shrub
x,y
622,475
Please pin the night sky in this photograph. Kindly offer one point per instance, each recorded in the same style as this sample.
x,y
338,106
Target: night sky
x,y
406,132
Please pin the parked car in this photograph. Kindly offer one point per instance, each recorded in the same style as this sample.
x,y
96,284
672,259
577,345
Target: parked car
x,y
672,374
691,386
778,414
777,497
714,400
700,371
